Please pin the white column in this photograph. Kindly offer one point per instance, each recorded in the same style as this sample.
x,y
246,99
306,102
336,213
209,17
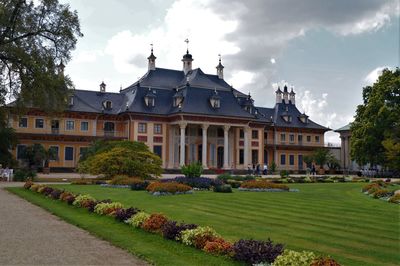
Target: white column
x,y
171,146
204,146
246,146
182,157
226,146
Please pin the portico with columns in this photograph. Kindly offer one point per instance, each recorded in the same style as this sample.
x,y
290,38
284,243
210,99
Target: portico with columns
x,y
214,145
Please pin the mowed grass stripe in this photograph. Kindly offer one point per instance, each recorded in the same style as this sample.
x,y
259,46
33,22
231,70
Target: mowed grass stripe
x,y
329,239
334,219
290,215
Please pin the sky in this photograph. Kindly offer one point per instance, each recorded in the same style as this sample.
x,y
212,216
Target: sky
x,y
327,50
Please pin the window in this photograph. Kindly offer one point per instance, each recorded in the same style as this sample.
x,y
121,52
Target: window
x,y
23,122
54,153
39,123
55,124
241,156
107,105
241,134
291,138
109,126
283,159
283,137
300,138
142,128
316,138
158,150
69,125
69,153
157,128
265,136
254,156
82,151
84,126
21,152
254,134
291,159
308,138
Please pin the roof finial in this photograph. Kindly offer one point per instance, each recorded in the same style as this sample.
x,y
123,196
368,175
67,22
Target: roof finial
x,y
187,45
219,56
151,44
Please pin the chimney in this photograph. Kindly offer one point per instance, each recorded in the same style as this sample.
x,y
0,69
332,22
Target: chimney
x,y
278,93
292,96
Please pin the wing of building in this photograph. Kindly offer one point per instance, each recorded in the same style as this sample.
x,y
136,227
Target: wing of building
x,y
183,116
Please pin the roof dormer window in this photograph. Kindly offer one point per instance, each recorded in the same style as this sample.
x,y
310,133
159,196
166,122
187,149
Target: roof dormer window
x,y
71,100
150,98
107,105
215,100
178,99
303,118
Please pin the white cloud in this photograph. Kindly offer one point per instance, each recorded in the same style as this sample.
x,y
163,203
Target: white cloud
x,y
87,56
185,19
372,76
272,60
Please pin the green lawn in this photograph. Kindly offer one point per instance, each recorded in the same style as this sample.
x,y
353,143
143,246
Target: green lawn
x,y
331,219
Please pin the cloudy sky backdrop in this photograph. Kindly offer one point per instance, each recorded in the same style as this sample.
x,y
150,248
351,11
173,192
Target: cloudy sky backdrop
x,y
327,50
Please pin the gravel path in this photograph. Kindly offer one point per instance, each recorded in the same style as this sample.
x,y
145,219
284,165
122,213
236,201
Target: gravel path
x,y
30,235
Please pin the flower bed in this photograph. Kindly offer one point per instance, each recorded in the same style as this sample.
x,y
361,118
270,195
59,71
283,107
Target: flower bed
x,y
204,238
383,191
168,188
195,182
263,186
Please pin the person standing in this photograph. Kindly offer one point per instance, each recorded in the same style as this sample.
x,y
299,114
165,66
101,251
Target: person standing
x,y
313,172
265,170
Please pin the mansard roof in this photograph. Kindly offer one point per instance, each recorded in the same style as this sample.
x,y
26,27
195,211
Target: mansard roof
x,y
196,87
290,109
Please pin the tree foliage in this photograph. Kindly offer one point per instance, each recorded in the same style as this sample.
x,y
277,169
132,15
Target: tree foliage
x,y
8,141
375,133
37,156
35,36
113,158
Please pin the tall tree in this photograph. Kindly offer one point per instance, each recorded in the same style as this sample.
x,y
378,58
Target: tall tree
x,y
377,122
36,38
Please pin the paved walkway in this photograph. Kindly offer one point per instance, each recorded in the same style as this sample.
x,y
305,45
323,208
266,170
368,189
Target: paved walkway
x,y
30,235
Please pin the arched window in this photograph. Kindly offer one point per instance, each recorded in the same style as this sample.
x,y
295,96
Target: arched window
x,y
107,105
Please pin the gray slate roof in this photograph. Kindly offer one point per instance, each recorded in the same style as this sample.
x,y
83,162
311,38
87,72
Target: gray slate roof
x,y
196,87
345,128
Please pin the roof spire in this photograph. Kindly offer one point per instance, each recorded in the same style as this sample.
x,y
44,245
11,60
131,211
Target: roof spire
x,y
220,68
152,59
187,59
187,45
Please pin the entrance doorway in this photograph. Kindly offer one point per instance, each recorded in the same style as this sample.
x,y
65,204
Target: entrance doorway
x,y
220,157
199,153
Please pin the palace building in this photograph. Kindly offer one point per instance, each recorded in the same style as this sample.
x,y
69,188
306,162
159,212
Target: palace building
x,y
183,116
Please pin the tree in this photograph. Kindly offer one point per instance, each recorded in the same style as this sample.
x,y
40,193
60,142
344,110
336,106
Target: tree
x,y
375,130
321,156
38,156
8,141
113,158
34,40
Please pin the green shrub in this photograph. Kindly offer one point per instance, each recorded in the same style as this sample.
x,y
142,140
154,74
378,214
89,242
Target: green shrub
x,y
138,219
284,173
294,258
192,170
224,176
223,189
168,187
234,183
23,174
112,158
